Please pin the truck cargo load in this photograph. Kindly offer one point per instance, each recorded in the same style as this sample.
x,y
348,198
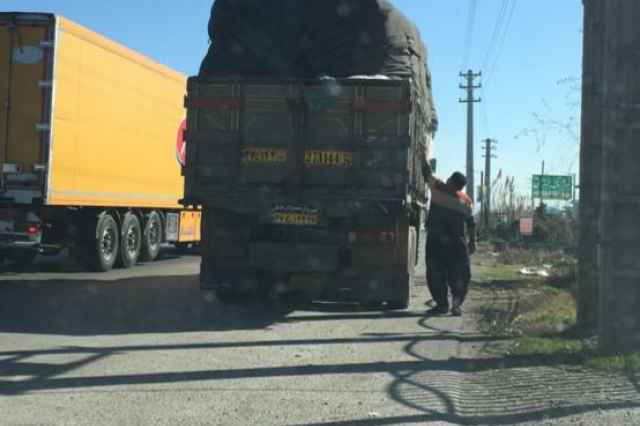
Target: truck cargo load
x,y
90,133
308,167
310,39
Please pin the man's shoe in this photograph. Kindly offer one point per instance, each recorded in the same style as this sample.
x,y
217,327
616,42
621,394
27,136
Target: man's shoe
x,y
456,308
431,303
438,310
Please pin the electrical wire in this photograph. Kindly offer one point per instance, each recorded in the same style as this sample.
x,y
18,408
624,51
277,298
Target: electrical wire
x,y
468,43
503,39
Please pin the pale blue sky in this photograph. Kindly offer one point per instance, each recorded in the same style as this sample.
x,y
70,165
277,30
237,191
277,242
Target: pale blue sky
x,y
542,46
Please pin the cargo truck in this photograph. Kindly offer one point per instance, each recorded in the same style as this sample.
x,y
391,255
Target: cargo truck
x,y
91,145
310,185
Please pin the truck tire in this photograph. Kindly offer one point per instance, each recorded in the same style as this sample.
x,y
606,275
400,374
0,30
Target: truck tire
x,y
418,235
151,238
402,297
102,252
130,240
229,296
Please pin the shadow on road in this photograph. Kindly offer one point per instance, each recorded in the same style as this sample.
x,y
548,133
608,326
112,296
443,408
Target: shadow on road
x,y
150,304
462,391
63,263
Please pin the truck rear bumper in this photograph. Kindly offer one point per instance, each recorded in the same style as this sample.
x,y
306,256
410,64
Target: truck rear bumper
x,y
289,258
18,242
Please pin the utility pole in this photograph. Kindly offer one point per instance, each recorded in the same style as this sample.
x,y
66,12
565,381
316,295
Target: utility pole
x,y
593,101
610,150
540,187
481,193
512,190
489,146
470,76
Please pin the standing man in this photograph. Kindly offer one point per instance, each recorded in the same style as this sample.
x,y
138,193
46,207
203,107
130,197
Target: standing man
x,y
451,239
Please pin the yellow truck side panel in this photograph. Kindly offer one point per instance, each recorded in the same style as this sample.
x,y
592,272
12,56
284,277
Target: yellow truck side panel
x,y
20,91
189,226
115,120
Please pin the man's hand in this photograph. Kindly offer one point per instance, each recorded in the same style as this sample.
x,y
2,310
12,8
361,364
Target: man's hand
x,y
427,171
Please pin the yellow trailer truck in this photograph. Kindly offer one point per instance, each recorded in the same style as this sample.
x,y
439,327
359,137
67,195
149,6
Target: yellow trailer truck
x,y
91,146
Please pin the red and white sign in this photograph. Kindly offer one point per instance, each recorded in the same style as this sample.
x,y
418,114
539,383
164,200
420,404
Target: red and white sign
x,y
181,143
526,226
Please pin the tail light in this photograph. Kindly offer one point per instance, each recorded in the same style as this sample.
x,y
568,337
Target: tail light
x,y
33,229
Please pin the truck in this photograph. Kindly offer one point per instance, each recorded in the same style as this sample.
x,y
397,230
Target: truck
x,y
91,146
305,159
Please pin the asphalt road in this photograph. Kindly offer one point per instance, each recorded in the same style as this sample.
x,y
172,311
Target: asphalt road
x,y
145,346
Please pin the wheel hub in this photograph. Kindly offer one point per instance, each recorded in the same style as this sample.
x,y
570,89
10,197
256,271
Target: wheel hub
x,y
108,243
132,241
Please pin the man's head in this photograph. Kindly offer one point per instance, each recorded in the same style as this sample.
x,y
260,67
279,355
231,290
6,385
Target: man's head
x,y
457,180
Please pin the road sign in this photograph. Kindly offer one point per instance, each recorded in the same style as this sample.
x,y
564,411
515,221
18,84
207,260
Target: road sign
x,y
552,187
181,144
526,226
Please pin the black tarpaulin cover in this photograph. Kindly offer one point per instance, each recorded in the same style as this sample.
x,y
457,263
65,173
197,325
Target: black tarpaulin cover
x,y
313,38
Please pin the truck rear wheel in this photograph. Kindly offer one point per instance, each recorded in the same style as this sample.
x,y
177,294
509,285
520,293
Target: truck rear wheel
x,y
151,238
402,297
102,252
130,240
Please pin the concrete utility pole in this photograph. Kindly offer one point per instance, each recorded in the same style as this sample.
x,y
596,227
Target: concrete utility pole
x,y
590,164
489,146
610,99
470,76
540,186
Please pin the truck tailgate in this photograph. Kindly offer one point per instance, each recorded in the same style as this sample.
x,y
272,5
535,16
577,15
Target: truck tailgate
x,y
25,96
344,136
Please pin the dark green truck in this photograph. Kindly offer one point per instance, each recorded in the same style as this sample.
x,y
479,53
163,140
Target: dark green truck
x,y
311,185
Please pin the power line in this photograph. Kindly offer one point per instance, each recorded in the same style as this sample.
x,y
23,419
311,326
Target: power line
x,y
496,31
466,56
498,39
503,39
483,113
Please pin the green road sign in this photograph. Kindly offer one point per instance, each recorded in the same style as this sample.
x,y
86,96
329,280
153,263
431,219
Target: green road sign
x,y
553,187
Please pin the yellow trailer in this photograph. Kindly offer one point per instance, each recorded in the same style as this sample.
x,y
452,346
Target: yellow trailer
x,y
91,145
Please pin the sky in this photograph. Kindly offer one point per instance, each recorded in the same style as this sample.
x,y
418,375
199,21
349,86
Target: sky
x,y
529,51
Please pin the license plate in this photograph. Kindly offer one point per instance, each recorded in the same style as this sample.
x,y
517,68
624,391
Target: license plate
x,y
328,158
264,155
298,216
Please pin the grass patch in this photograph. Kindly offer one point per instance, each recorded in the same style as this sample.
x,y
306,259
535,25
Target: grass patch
x,y
629,363
555,313
558,349
540,313
528,346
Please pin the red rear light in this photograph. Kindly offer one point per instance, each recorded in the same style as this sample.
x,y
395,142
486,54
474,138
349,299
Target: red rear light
x,y
33,229
387,237
372,237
